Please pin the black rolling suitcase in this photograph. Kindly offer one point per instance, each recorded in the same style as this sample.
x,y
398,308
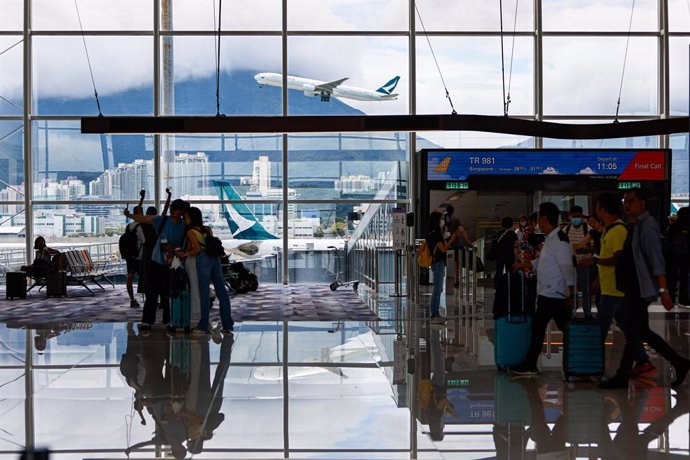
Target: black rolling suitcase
x,y
56,284
583,349
16,285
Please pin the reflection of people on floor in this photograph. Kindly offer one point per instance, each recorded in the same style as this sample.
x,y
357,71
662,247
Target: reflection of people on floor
x,y
209,396
629,442
548,441
171,380
433,392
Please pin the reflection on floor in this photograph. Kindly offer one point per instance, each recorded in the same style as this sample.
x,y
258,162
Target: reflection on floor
x,y
394,388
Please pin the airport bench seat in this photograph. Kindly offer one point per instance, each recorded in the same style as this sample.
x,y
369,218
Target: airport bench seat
x,y
80,269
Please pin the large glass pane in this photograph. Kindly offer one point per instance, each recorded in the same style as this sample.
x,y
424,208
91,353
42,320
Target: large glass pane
x,y
68,165
11,158
646,142
12,17
193,65
236,15
339,15
95,14
582,76
679,15
370,65
80,226
678,74
122,71
471,139
471,69
599,15
475,15
11,71
680,176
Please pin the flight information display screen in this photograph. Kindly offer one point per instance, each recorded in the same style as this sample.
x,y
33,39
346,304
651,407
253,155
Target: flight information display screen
x,y
625,165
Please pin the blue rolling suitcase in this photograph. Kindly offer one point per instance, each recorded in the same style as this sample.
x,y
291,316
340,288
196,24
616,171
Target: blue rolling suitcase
x,y
512,333
180,311
583,349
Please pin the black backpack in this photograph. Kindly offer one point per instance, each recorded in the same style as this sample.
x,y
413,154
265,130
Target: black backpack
x,y
241,279
214,247
129,243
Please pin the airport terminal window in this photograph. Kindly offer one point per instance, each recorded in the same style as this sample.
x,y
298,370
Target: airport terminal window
x,y
371,65
12,17
95,15
237,15
334,15
474,15
11,161
678,16
62,82
597,15
194,63
471,68
643,142
678,75
600,59
12,96
469,139
68,165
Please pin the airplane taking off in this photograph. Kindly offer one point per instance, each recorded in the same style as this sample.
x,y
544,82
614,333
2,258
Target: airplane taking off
x,y
326,89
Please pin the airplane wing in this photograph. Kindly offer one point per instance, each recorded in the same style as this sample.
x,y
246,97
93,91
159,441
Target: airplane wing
x,y
331,85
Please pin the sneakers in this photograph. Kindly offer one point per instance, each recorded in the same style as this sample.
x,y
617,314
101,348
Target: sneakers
x,y
437,320
643,370
144,327
134,304
524,369
615,382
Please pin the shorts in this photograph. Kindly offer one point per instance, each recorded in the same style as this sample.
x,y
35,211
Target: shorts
x,y
132,265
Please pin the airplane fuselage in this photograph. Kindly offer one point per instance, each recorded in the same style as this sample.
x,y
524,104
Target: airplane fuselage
x,y
311,88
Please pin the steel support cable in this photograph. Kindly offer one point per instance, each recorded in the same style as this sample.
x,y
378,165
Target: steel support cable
x,y
625,60
433,55
503,67
506,98
512,55
220,11
88,60
10,47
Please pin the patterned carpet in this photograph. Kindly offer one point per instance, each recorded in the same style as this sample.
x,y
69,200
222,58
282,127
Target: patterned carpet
x,y
271,302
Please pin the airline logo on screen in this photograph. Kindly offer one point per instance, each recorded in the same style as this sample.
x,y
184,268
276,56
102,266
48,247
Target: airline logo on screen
x,y
648,165
442,166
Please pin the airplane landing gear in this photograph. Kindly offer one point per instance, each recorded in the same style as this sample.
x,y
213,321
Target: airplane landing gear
x,y
325,97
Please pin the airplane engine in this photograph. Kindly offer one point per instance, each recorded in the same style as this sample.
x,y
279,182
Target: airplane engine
x,y
309,90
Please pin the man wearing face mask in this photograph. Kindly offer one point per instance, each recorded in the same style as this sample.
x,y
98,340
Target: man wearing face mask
x,y
576,231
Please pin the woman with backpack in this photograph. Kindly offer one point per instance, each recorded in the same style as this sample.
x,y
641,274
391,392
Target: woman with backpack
x,y
438,248
208,270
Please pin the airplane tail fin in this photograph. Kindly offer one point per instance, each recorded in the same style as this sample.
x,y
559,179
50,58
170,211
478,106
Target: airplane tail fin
x,y
389,86
240,219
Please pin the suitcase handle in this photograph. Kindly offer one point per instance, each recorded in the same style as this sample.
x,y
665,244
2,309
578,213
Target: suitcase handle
x,y
523,315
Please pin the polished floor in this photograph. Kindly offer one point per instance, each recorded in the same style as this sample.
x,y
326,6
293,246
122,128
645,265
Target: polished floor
x,y
395,388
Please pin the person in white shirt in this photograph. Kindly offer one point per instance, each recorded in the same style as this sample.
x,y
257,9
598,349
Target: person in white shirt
x,y
555,273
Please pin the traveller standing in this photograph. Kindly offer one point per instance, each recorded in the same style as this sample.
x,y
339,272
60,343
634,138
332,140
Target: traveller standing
x,y
208,271
554,285
171,234
133,260
438,249
452,225
642,281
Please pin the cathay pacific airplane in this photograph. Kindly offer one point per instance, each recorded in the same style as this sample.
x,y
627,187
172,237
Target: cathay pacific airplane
x,y
249,237
326,89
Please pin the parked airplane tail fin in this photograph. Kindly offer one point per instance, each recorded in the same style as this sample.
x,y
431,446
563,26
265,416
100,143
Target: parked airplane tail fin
x,y
240,218
389,87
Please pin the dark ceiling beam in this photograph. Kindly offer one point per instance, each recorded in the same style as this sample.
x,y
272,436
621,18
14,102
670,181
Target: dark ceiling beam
x,y
379,123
